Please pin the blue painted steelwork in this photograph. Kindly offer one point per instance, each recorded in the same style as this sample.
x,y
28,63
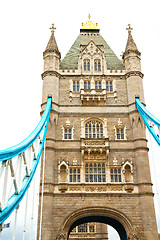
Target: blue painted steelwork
x,y
15,199
21,147
146,115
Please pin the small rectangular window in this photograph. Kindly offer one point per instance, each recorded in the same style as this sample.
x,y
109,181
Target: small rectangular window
x,y
98,85
74,175
115,174
76,86
97,65
86,84
86,64
120,133
109,86
67,133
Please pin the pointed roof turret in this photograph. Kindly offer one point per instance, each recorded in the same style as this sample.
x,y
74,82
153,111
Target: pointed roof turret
x,y
131,46
52,45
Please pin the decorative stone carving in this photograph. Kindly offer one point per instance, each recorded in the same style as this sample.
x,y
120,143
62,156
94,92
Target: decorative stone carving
x,y
74,161
134,234
115,161
61,236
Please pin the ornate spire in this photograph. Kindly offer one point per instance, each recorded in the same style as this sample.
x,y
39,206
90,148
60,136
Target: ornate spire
x,y
52,45
131,46
89,24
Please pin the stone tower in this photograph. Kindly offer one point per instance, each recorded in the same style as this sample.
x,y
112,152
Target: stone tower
x,y
96,167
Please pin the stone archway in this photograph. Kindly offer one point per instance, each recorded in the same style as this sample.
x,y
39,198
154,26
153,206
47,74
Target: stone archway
x,y
110,216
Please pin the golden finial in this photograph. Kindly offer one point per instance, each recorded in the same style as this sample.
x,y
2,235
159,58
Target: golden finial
x,y
89,24
129,28
52,28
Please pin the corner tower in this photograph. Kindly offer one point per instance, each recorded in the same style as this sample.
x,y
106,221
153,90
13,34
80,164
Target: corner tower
x,y
96,166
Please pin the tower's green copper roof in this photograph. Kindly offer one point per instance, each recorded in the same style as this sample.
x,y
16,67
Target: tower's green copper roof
x,y
70,61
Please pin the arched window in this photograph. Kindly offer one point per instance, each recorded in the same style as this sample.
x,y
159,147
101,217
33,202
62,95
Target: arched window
x,y
93,129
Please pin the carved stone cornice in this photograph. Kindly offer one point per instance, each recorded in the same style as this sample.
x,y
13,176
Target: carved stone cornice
x,y
51,73
134,73
95,145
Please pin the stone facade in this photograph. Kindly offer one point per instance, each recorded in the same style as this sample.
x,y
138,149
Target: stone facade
x,y
96,155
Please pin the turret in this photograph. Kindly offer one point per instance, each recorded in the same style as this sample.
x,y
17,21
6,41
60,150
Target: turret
x,y
50,75
132,62
51,54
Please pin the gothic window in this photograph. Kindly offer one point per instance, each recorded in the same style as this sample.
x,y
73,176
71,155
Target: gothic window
x,y
86,65
95,172
115,175
87,84
109,86
93,129
74,175
98,85
97,65
67,133
120,133
75,86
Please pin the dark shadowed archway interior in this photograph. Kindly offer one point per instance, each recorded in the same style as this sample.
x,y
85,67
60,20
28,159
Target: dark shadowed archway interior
x,y
102,219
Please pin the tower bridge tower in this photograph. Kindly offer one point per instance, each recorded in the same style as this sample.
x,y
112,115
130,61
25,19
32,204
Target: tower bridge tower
x,y
96,166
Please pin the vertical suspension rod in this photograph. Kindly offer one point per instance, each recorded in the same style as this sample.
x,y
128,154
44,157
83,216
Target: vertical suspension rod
x,y
13,176
25,163
5,183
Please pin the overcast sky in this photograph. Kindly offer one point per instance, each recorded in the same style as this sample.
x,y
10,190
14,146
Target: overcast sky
x,y
24,33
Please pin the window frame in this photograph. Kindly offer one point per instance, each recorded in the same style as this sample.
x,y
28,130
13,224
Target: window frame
x,y
76,86
75,174
95,172
94,129
120,133
98,85
86,65
87,84
97,65
109,86
115,174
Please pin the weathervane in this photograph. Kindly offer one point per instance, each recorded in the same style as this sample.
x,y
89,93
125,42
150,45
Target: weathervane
x,y
52,28
129,28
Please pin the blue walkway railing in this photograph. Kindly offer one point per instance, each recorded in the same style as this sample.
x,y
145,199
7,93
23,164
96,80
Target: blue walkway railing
x,y
6,155
149,120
